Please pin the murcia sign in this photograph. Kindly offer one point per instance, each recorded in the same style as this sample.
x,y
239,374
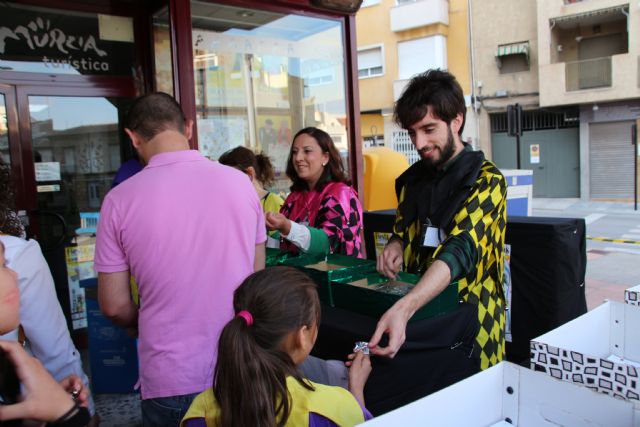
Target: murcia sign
x,y
61,43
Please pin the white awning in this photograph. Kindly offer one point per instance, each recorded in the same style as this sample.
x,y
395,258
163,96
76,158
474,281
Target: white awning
x,y
592,16
513,49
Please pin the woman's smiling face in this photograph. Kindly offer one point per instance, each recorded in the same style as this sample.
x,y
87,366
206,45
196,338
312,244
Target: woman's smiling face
x,y
9,296
308,159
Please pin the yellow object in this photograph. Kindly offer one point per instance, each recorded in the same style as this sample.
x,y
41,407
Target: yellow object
x,y
381,168
333,403
135,296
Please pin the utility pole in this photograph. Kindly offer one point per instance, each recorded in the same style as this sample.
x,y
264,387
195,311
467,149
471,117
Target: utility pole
x,y
514,127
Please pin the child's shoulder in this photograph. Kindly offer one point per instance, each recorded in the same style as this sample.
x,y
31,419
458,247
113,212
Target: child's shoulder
x,y
334,403
203,406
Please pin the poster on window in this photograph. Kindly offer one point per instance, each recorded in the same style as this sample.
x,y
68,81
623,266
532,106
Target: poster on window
x,y
219,134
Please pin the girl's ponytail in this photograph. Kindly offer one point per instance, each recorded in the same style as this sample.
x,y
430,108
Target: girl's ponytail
x,y
250,383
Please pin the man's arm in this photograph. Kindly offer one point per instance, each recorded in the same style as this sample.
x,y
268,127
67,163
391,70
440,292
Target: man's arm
x,y
260,257
114,297
394,321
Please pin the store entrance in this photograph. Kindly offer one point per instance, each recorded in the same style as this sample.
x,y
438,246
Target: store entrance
x,y
64,145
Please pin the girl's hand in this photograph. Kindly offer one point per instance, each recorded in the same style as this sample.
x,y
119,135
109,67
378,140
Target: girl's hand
x,y
359,366
75,387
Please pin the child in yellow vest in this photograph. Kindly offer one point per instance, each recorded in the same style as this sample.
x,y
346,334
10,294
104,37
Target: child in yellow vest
x,y
262,175
256,380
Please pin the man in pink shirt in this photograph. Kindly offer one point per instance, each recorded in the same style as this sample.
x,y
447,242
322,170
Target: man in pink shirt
x,y
189,230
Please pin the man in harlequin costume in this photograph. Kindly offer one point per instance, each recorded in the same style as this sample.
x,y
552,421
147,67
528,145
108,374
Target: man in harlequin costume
x,y
451,218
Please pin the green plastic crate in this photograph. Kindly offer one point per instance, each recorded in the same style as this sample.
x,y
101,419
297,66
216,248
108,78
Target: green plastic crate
x,y
374,303
276,256
349,267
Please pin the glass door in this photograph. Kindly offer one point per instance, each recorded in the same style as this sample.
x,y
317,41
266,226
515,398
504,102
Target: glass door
x,y
76,146
71,144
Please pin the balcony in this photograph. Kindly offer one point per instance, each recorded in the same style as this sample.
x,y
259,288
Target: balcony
x,y
588,74
409,15
616,77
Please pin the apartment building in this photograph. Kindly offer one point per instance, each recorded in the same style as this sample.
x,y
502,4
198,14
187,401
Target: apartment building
x,y
574,68
397,39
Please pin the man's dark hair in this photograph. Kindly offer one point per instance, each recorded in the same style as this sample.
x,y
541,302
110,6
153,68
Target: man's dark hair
x,y
154,113
436,89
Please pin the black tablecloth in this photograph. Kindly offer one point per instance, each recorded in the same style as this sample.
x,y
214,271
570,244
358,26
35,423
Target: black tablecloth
x,y
437,353
548,266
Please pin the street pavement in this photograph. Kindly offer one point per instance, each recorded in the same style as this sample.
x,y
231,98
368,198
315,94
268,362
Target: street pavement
x,y
613,244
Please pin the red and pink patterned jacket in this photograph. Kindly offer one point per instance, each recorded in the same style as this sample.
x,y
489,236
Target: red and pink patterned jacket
x,y
336,210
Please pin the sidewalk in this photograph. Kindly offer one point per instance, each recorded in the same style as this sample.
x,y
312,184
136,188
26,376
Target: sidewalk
x,y
589,207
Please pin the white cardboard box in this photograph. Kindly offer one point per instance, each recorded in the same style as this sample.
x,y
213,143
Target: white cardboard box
x,y
599,350
510,395
632,295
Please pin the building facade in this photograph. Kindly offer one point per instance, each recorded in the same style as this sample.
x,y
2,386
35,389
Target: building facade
x,y
398,39
574,68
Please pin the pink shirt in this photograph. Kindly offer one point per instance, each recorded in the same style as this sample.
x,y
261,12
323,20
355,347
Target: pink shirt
x,y
186,228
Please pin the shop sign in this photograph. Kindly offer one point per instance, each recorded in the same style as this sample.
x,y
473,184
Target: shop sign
x,y
60,44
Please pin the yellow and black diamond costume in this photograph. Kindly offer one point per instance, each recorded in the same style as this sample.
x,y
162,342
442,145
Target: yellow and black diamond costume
x,y
467,201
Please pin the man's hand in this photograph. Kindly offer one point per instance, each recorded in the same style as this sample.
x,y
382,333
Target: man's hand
x,y
394,324
389,262
279,222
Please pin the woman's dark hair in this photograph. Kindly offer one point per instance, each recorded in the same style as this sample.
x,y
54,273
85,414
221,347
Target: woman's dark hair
x,y
333,171
250,382
436,89
241,158
9,220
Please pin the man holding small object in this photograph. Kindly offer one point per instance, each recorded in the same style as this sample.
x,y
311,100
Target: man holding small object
x,y
451,218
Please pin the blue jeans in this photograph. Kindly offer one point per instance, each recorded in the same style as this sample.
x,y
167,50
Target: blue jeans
x,y
165,411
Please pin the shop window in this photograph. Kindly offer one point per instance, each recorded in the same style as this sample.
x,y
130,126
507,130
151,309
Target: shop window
x,y
370,62
419,55
162,52
261,76
514,64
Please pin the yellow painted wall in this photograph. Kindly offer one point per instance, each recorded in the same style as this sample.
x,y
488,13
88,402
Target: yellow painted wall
x,y
369,121
373,28
458,44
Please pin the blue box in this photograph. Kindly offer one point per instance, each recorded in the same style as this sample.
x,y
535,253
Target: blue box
x,y
113,354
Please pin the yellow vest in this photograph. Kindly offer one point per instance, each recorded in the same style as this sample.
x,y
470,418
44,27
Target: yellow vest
x,y
334,403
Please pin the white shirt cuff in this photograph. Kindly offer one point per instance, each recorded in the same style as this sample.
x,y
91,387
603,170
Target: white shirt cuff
x,y
299,235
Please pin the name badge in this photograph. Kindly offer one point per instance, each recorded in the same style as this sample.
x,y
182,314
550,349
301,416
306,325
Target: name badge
x,y
431,237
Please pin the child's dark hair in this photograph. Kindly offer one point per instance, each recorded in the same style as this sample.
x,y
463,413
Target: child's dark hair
x,y
241,158
250,382
334,170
